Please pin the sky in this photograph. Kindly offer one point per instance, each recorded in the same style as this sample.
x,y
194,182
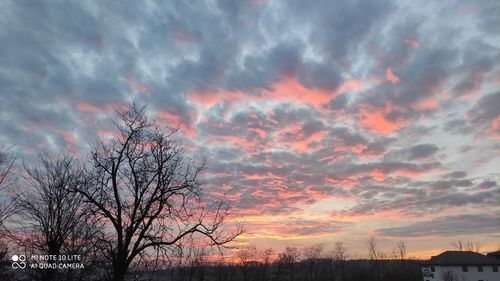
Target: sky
x,y
323,120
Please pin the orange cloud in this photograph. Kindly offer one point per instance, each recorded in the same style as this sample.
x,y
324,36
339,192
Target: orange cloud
x,y
377,175
375,121
290,89
175,121
351,85
390,76
293,136
427,104
285,89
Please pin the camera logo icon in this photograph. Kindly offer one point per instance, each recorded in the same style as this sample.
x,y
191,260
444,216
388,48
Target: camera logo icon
x,y
19,261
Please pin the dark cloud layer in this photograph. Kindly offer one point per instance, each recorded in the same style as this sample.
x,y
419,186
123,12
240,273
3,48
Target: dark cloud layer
x,y
450,225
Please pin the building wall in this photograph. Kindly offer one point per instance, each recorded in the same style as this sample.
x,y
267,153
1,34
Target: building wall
x,y
472,275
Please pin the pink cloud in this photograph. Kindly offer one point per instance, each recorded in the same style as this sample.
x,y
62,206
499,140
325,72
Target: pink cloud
x,y
390,76
175,121
412,43
286,89
86,107
427,104
289,88
208,98
374,120
494,129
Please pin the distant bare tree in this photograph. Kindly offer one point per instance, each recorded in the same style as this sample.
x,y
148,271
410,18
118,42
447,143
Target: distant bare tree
x,y
245,256
458,245
146,189
466,246
289,257
473,246
312,255
49,219
400,251
265,257
340,254
375,255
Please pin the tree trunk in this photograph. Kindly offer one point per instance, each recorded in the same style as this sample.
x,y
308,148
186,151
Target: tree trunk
x,y
119,270
54,250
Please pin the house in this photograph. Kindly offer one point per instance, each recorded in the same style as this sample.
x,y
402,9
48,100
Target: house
x,y
495,255
461,266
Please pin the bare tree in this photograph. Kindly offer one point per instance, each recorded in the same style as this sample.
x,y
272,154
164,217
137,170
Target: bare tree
x,y
466,246
473,246
289,257
312,255
147,191
265,257
374,256
458,245
6,164
399,252
340,256
49,219
245,256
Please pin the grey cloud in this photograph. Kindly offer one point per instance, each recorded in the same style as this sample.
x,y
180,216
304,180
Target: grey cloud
x,y
422,151
352,21
488,18
487,184
478,59
486,109
456,174
450,225
458,126
415,200
339,102
447,184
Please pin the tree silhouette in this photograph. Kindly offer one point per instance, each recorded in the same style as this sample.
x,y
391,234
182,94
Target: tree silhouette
x,y
146,190
312,255
49,219
6,164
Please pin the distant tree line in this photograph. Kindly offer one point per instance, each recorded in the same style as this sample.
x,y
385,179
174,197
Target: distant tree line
x,y
311,263
319,262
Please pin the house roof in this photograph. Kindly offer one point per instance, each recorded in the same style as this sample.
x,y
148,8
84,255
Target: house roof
x,y
461,258
494,254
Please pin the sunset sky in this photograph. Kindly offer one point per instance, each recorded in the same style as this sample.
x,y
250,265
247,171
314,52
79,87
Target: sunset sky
x,y
325,121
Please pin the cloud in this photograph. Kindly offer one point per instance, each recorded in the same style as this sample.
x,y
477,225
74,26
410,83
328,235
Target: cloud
x,y
447,225
353,108
390,76
486,114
